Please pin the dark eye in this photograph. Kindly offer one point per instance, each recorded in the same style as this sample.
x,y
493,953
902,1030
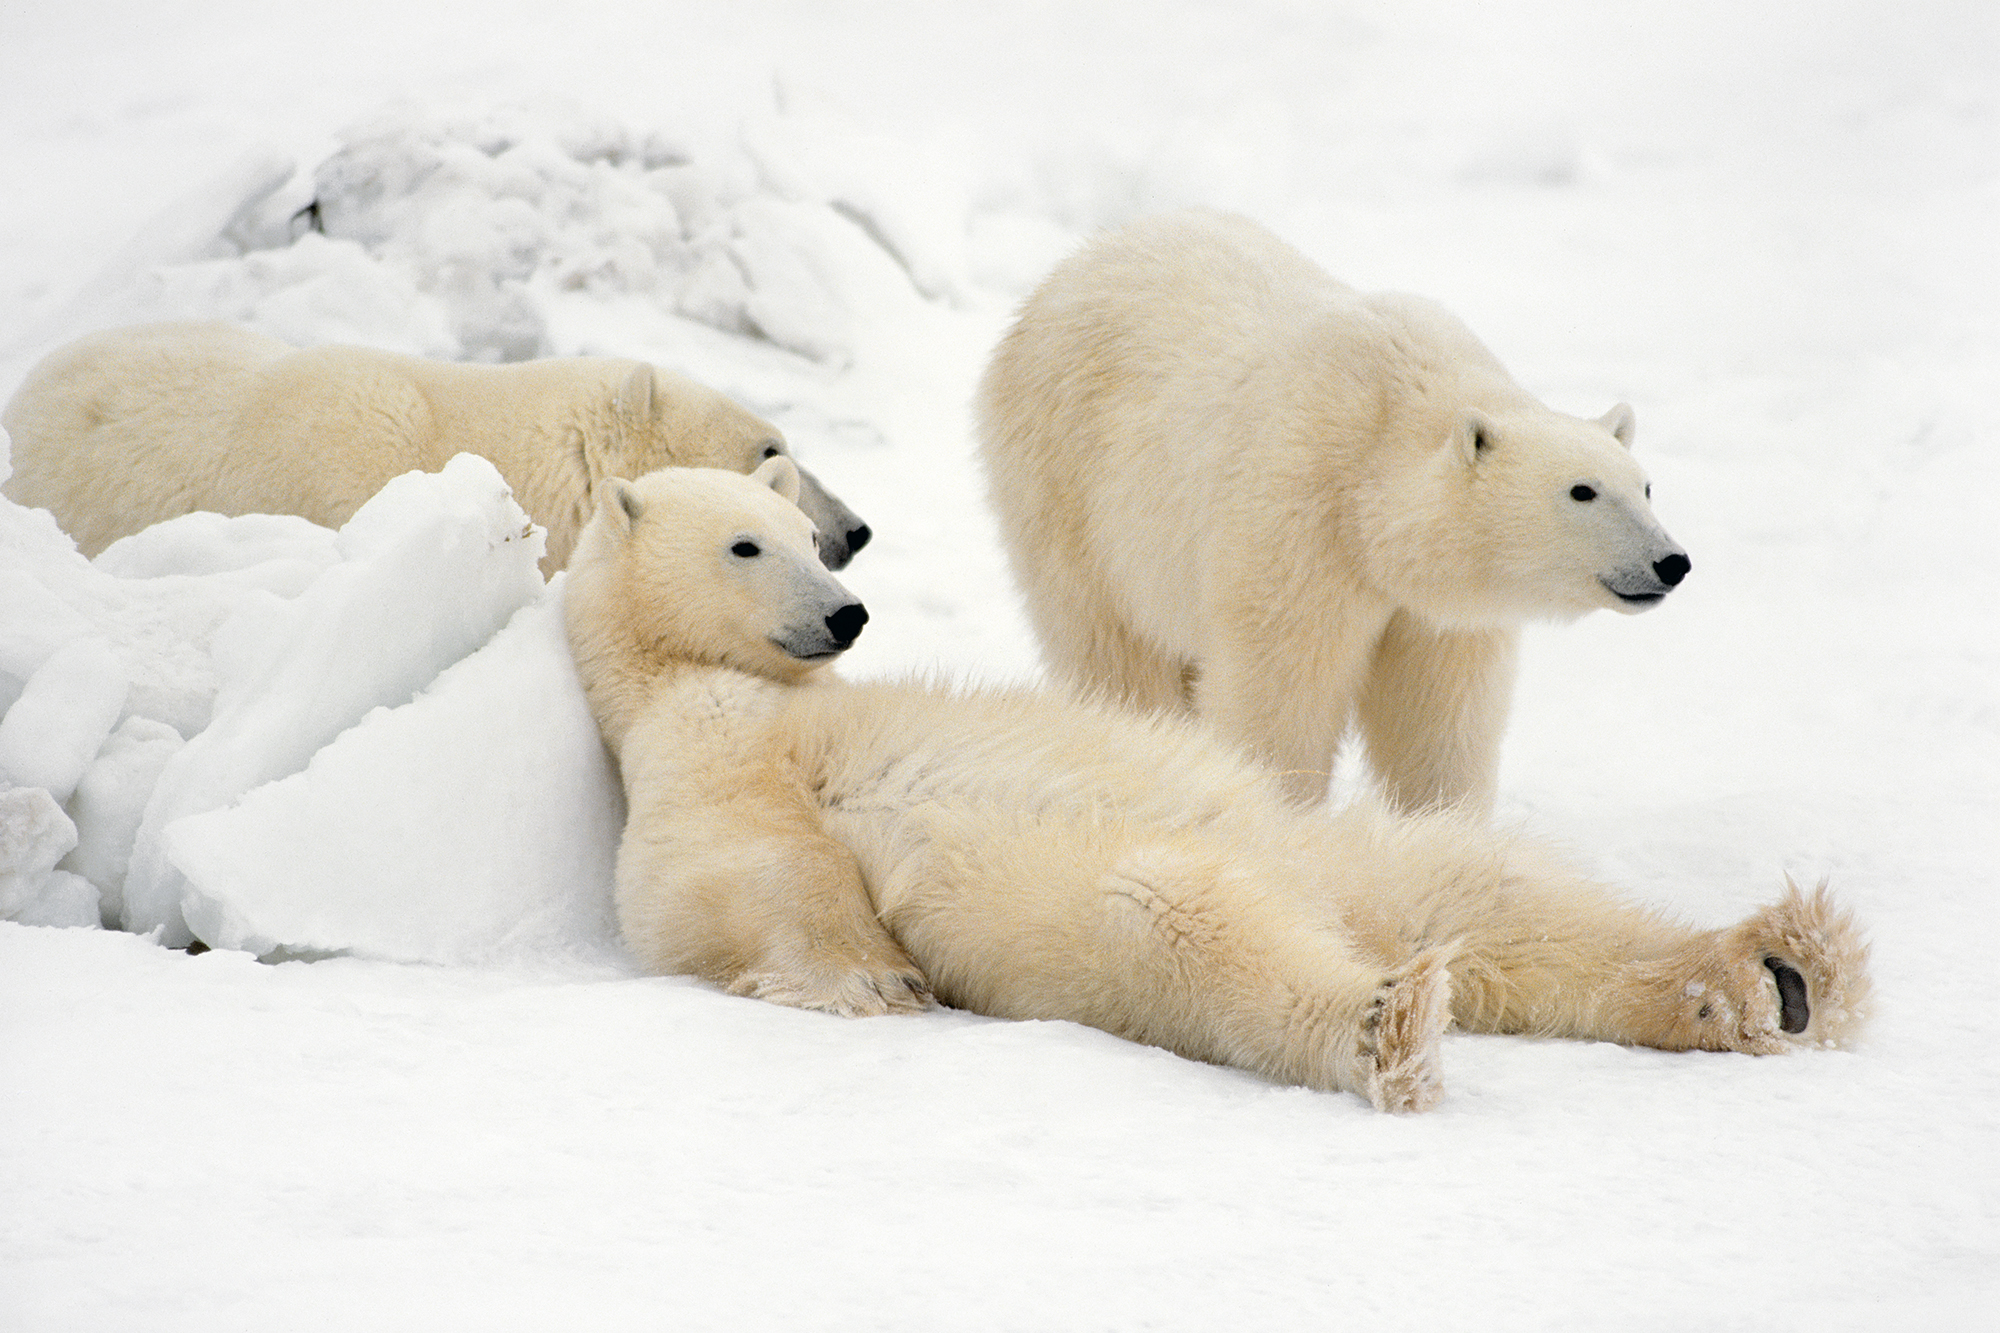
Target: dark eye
x,y
1649,490
745,550
1582,493
770,451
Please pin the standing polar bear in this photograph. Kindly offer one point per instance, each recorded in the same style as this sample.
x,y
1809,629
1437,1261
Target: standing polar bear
x,y
1226,480
122,429
857,848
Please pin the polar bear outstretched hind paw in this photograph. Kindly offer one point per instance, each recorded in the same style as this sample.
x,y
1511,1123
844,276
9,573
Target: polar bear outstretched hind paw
x,y
1401,1031
1816,962
1793,974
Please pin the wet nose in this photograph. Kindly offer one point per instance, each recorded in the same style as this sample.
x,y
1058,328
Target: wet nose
x,y
1670,570
844,624
857,537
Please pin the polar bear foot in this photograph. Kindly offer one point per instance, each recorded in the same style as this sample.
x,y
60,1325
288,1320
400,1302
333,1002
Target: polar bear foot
x,y
1793,974
1816,961
862,988
1400,1032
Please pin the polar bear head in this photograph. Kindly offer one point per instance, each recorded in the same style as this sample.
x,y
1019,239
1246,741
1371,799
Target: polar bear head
x,y
666,420
1544,516
709,566
1571,512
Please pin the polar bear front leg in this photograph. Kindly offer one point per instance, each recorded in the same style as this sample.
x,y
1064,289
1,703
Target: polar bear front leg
x,y
1284,720
762,905
1282,671
1433,711
1087,643
819,946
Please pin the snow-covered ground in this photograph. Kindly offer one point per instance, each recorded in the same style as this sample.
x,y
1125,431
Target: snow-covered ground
x,y
1770,226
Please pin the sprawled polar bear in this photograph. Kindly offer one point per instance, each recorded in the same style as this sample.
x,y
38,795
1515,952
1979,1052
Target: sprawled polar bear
x,y
857,847
1228,481
121,429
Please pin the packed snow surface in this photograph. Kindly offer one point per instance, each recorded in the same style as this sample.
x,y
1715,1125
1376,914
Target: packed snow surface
x,y
445,1098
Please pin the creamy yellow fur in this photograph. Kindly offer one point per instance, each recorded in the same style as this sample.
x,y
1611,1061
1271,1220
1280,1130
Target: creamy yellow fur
x,y
127,427
1229,483
838,846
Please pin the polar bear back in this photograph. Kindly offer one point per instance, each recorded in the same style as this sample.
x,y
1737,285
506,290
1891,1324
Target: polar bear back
x,y
130,426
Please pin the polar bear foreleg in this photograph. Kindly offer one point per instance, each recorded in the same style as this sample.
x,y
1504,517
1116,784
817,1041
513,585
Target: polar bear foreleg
x,y
1286,719
1432,712
1087,644
762,903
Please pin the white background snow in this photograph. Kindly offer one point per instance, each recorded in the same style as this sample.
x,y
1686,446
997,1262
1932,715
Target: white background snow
x,y
1770,226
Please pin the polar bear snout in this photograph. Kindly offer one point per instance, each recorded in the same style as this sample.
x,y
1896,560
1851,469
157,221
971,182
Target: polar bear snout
x,y
836,547
1639,587
826,637
840,533
844,625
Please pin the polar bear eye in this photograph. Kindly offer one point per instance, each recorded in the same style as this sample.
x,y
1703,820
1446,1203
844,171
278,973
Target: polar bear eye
x,y
1649,490
771,450
746,550
1581,493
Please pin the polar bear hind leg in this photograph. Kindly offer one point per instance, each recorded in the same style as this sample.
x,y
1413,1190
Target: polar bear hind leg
x,y
1162,943
1544,950
1268,990
1794,973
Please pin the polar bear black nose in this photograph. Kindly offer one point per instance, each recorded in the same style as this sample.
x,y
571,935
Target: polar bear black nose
x,y
845,624
857,537
1672,569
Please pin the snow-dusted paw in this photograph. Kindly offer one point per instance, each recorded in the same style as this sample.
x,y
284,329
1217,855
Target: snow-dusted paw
x,y
1815,987
1400,1032
851,988
1795,973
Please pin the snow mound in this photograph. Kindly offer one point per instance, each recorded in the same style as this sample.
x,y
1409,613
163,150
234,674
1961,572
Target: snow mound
x,y
497,216
65,711
34,835
430,568
496,235
205,657
477,823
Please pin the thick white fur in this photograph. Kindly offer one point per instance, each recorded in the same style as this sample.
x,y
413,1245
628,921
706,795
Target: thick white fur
x,y
1231,483
839,846
124,428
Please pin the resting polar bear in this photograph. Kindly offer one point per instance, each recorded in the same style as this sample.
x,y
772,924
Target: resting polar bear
x,y
1221,473
121,429
856,847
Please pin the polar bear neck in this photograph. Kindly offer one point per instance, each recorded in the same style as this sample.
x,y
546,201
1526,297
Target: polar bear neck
x,y
631,683
545,448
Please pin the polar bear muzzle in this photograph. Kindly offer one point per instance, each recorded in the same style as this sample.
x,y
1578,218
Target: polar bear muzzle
x,y
1647,585
833,635
840,530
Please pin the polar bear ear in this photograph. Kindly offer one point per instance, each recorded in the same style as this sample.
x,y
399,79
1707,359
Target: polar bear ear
x,y
619,499
1620,422
1474,438
781,475
634,401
